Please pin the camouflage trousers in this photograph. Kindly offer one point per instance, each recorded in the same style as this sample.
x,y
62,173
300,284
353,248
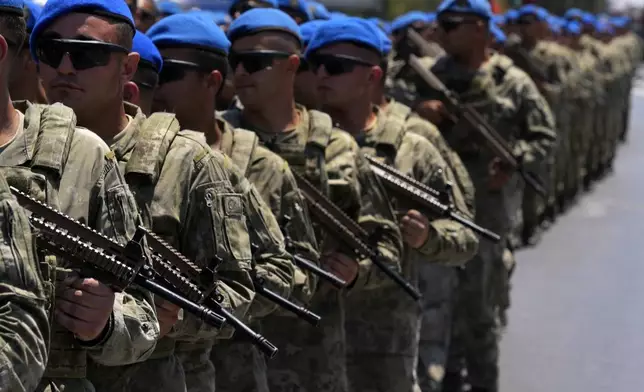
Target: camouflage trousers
x,y
311,359
239,367
161,374
438,285
475,332
65,385
382,373
195,360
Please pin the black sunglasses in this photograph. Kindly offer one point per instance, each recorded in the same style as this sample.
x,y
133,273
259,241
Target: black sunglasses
x,y
83,54
449,24
174,70
256,60
335,64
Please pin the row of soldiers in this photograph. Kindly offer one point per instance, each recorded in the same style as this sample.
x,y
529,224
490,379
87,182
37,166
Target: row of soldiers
x,y
117,128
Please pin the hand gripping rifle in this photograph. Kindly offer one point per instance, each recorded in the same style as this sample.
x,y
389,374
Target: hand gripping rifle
x,y
346,231
308,264
157,267
407,188
260,288
495,142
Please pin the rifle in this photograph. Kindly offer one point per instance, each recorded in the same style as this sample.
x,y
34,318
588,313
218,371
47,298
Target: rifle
x,y
408,188
345,230
156,267
272,296
425,48
495,142
308,264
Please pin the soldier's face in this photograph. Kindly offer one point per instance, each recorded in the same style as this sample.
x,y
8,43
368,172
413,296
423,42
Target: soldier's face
x,y
89,75
306,87
146,15
458,33
346,73
262,69
182,88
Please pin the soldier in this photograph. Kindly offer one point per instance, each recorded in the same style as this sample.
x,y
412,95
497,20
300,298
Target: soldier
x,y
140,90
510,101
146,14
192,96
382,329
266,47
299,10
24,322
24,83
73,171
238,7
178,181
305,87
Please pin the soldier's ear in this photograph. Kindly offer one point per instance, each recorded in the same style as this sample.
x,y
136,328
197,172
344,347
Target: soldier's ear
x,y
215,80
131,93
4,51
130,65
376,74
293,63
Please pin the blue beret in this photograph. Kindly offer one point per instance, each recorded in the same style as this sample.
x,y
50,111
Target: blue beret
x,y
534,10
219,17
386,42
408,19
308,29
498,34
168,8
511,16
338,14
319,11
481,8
263,19
296,5
431,17
588,18
620,21
54,9
272,3
149,53
574,13
191,29
499,19
353,30
34,11
12,6
604,27
572,28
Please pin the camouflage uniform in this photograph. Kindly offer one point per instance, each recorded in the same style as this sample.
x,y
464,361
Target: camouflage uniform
x,y
178,181
631,44
510,101
314,359
24,322
270,174
382,330
73,170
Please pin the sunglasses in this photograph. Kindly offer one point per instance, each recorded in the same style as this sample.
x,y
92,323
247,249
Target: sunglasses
x,y
255,61
83,54
304,65
451,24
335,64
174,70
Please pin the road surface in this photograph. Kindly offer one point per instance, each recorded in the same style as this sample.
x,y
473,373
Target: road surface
x,y
577,316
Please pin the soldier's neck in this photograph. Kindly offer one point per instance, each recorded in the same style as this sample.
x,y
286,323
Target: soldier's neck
x,y
8,119
106,123
474,59
354,118
275,117
209,127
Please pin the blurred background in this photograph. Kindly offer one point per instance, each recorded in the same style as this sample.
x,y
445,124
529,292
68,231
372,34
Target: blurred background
x,y
388,9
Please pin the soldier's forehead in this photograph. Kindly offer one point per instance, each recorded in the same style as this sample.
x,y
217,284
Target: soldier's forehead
x,y
82,24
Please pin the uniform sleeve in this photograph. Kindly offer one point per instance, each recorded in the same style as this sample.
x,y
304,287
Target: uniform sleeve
x,y
537,138
135,328
378,220
24,324
449,242
273,263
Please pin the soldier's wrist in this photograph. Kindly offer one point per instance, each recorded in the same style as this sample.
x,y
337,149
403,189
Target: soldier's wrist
x,y
102,337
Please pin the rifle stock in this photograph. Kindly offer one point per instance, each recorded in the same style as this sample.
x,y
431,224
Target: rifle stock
x,y
158,268
425,48
493,139
408,188
346,231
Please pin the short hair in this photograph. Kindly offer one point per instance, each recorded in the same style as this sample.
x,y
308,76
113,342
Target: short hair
x,y
13,28
211,60
124,33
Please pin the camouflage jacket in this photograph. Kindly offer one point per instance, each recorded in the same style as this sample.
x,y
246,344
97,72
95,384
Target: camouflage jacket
x,y
200,203
331,160
508,99
24,323
73,170
418,125
274,180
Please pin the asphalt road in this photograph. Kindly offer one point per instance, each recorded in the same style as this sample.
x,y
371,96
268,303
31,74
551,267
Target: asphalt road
x,y
577,316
